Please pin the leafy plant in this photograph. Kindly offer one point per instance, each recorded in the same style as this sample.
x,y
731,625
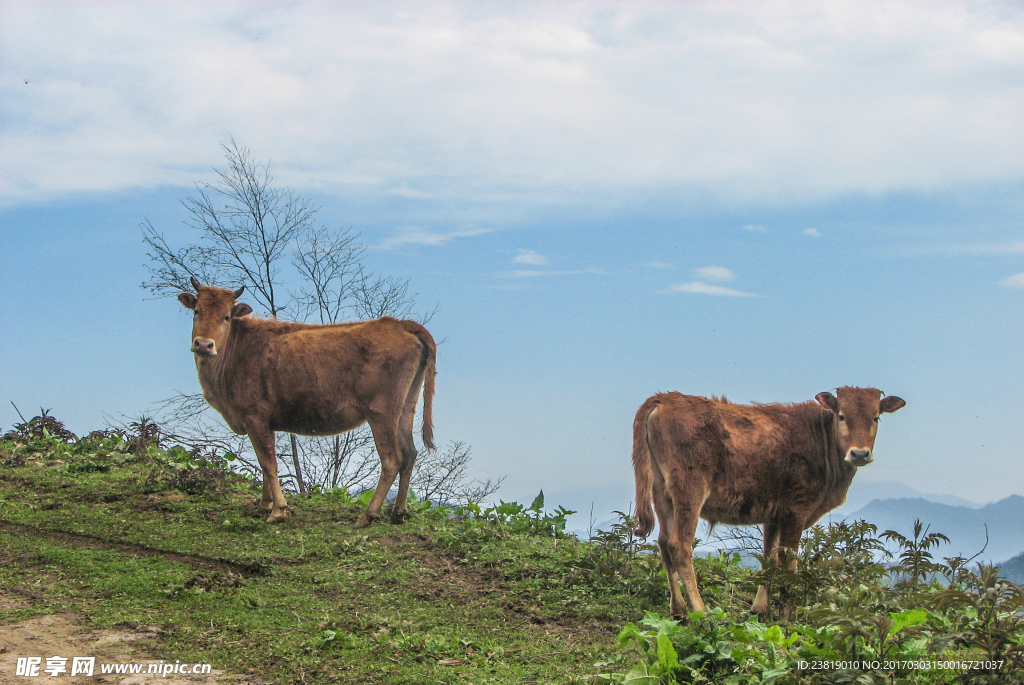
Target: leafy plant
x,y
916,562
38,427
618,558
514,518
993,616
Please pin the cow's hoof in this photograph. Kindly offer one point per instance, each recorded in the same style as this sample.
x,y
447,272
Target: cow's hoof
x,y
399,516
279,515
364,521
265,506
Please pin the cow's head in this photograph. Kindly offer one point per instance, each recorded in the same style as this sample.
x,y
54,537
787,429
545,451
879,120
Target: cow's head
x,y
213,309
856,419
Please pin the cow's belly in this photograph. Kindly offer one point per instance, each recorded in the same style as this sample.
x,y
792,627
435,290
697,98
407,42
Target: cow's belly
x,y
736,510
313,421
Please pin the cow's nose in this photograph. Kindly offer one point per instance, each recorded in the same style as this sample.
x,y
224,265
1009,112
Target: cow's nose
x,y
204,346
860,455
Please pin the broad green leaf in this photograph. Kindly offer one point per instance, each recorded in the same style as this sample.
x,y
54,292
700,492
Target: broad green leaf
x,y
770,675
640,675
667,658
538,502
902,620
626,634
774,635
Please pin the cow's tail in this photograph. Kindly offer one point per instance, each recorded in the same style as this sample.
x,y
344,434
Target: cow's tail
x,y
429,370
642,470
428,395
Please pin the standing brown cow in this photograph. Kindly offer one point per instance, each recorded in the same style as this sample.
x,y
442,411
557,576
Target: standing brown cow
x,y
267,375
781,465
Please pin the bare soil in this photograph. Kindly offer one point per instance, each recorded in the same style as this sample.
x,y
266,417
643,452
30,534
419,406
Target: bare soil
x,y
67,635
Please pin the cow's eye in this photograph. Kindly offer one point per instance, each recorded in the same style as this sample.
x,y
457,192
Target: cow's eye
x,y
842,417
876,418
227,318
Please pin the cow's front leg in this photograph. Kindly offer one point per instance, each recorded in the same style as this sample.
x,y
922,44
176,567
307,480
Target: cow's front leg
x,y
789,538
273,499
771,542
267,499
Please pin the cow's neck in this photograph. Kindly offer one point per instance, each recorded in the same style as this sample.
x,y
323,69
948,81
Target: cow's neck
x,y
215,375
838,472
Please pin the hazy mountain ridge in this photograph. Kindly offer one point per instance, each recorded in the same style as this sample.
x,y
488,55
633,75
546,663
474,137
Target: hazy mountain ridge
x,y
1013,569
863,492
964,527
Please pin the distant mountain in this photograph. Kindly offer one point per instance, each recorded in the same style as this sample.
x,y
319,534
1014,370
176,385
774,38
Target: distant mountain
x,y
964,527
862,492
1013,569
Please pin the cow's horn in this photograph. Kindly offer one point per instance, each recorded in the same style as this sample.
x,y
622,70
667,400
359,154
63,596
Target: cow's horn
x,y
238,293
195,283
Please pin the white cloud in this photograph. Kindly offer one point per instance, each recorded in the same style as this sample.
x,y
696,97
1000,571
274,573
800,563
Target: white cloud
x,y
659,265
530,257
715,274
813,232
777,100
1015,281
754,227
706,289
415,235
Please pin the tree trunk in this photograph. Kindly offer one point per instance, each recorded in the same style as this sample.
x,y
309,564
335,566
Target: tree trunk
x,y
298,469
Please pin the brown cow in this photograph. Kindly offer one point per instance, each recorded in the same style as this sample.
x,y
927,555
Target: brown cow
x,y
781,465
267,375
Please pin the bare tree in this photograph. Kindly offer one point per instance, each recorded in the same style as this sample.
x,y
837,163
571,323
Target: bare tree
x,y
440,477
332,270
246,225
747,540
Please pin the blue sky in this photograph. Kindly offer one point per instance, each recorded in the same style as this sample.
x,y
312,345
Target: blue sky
x,y
605,200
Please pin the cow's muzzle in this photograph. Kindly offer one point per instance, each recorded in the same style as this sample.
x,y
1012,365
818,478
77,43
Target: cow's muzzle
x,y
204,347
859,457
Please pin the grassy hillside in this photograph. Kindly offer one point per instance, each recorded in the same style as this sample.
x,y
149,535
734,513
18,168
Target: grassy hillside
x,y
124,534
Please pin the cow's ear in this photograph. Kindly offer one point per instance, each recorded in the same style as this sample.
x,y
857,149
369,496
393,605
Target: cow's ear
x,y
827,400
187,299
890,403
240,310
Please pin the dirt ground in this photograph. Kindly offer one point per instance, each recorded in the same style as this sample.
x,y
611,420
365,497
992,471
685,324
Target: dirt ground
x,y
67,636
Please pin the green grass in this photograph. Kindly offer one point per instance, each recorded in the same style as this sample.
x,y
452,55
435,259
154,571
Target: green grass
x,y
311,599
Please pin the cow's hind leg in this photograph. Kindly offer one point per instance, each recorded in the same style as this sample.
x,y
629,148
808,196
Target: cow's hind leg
x,y
771,542
676,603
680,542
385,436
678,506
400,512
263,443
666,522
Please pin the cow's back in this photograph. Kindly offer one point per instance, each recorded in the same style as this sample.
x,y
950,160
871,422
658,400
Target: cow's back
x,y
740,454
317,380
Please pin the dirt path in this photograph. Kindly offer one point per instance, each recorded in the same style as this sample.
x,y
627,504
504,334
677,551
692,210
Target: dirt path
x,y
76,540
68,636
